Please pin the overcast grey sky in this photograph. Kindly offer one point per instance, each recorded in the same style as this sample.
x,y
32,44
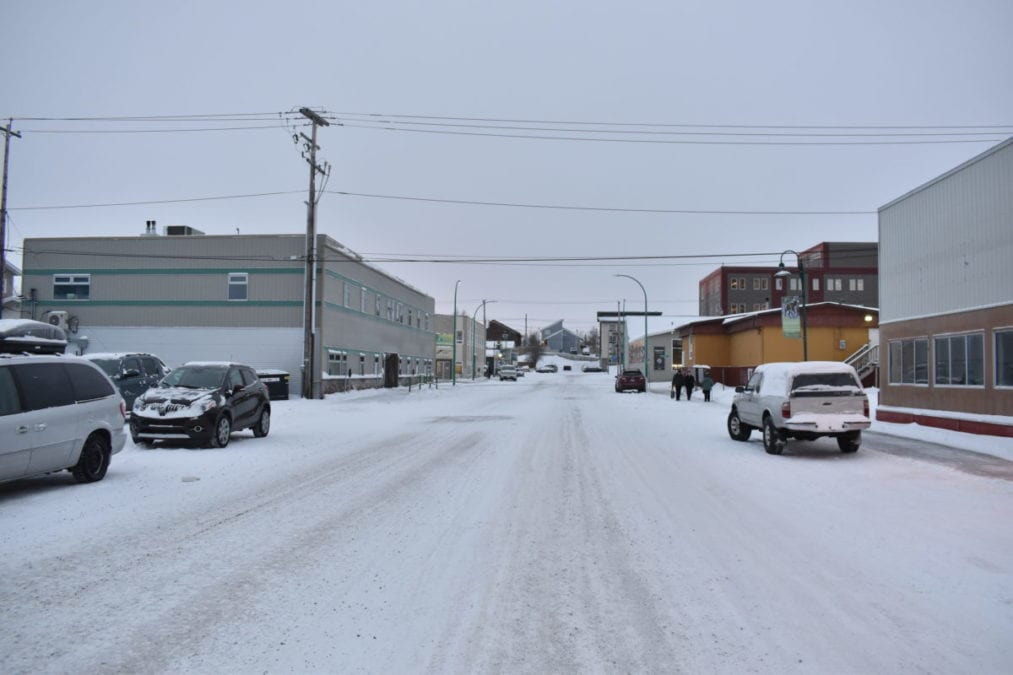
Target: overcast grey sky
x,y
851,64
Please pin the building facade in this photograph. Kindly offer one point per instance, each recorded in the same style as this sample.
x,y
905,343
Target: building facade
x,y
612,342
947,299
664,352
500,332
732,346
236,297
470,348
559,339
844,272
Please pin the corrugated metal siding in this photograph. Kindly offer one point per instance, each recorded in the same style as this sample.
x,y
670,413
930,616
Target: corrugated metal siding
x,y
949,246
279,348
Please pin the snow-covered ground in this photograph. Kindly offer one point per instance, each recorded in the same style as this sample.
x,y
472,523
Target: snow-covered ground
x,y
543,525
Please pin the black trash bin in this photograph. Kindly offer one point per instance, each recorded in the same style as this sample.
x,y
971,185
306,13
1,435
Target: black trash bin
x,y
277,383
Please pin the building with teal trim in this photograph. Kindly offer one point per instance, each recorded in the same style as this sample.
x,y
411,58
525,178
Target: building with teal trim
x,y
191,296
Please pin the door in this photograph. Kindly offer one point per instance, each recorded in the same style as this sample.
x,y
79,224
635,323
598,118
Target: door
x,y
50,414
391,364
748,402
244,401
131,380
14,437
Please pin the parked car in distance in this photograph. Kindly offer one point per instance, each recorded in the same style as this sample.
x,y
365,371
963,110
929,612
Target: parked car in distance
x,y
25,336
802,401
203,402
547,368
631,379
592,369
133,373
57,412
508,372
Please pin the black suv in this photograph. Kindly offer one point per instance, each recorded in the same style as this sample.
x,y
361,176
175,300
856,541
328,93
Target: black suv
x,y
132,373
203,402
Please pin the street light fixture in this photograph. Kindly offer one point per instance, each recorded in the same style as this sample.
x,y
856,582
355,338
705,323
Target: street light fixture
x,y
646,376
473,317
784,273
453,351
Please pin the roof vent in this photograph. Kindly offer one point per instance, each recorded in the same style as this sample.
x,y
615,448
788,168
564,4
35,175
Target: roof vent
x,y
149,229
181,231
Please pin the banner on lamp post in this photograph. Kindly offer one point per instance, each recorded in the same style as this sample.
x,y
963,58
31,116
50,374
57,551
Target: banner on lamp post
x,y
791,324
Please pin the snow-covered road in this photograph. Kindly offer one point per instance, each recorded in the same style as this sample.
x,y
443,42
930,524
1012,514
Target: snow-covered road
x,y
547,525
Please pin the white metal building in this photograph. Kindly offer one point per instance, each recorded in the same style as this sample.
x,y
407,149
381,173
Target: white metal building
x,y
946,298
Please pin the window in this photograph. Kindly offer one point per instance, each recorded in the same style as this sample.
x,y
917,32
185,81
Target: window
x,y
759,306
400,313
44,385
88,383
379,304
960,360
362,364
390,310
235,379
856,284
71,286
834,284
410,316
816,283
778,283
794,284
760,284
9,403
909,361
348,294
238,285
460,336
362,300
1004,357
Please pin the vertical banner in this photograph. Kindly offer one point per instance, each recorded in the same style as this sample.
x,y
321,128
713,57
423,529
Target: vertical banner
x,y
790,322
659,358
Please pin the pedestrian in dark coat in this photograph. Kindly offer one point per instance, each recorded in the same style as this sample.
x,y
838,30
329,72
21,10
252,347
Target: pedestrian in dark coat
x,y
678,381
690,383
706,385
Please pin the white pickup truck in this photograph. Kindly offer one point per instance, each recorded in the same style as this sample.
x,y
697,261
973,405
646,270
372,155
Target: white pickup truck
x,y
803,401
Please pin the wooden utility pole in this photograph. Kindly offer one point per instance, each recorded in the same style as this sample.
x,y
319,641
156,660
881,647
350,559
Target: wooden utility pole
x,y
311,371
3,213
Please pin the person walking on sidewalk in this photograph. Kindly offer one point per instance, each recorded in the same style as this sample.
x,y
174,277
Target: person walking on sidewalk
x,y
678,381
690,383
706,385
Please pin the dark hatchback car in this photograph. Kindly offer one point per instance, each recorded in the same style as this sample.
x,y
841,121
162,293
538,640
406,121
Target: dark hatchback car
x,y
132,373
631,379
203,402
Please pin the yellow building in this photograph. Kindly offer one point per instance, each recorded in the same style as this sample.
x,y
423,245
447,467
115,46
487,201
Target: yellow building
x,y
731,346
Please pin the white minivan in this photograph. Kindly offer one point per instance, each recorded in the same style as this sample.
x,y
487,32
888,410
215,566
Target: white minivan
x,y
57,412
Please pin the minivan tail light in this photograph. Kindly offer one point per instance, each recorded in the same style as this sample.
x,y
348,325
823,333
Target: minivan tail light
x,y
123,409
865,407
786,409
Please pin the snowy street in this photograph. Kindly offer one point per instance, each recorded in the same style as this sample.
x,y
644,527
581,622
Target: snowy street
x,y
544,525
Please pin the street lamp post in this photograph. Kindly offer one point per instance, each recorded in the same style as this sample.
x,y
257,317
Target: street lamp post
x,y
646,376
453,351
785,273
474,316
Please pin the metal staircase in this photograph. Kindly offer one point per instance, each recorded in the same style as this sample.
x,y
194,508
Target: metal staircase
x,y
866,363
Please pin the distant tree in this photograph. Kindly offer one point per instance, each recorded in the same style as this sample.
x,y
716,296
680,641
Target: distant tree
x,y
591,341
534,349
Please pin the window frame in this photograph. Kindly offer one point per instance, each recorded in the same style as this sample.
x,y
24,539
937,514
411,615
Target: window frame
x,y
996,379
237,280
903,369
951,339
72,280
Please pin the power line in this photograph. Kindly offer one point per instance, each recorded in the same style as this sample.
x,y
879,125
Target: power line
x,y
156,201
472,202
155,131
655,141
674,124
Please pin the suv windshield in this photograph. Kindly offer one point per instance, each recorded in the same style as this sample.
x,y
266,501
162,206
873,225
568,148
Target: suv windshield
x,y
196,377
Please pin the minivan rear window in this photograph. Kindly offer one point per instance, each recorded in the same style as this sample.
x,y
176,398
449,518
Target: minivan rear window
x,y
43,385
88,383
9,401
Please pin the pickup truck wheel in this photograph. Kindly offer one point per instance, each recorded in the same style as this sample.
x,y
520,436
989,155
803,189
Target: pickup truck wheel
x,y
850,441
738,429
772,441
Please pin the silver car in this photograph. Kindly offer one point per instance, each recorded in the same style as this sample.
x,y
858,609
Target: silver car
x,y
803,401
57,412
